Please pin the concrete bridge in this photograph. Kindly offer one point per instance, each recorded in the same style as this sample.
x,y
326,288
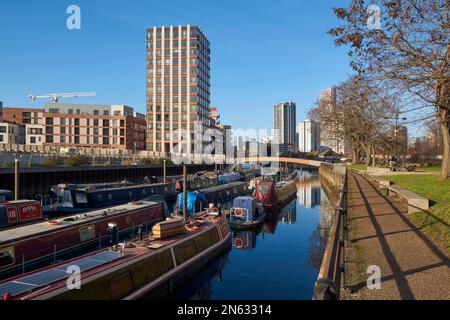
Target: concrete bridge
x,y
306,162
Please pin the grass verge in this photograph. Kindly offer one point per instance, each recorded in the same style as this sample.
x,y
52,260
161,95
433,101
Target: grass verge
x,y
436,222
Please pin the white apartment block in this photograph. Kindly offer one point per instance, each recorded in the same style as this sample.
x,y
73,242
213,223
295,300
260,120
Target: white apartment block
x,y
308,133
9,133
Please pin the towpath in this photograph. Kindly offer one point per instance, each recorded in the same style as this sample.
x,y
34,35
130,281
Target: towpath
x,y
381,234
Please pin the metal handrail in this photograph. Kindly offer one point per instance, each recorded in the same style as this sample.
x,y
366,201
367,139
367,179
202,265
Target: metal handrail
x,y
331,275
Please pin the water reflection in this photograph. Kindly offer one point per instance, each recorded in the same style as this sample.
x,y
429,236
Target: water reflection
x,y
280,260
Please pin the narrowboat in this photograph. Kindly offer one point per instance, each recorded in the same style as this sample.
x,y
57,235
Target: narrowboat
x,y
14,213
5,196
197,200
273,195
32,246
139,269
246,213
80,198
205,182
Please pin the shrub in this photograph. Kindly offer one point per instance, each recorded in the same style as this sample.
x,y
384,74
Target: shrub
x,y
75,161
52,162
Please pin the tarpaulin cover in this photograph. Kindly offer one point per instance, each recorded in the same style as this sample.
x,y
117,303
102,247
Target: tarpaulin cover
x,y
192,199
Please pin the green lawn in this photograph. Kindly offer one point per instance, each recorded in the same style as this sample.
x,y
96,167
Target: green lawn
x,y
433,168
436,224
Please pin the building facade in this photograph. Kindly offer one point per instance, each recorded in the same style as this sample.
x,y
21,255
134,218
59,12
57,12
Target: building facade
x,y
308,134
81,125
328,139
178,89
284,122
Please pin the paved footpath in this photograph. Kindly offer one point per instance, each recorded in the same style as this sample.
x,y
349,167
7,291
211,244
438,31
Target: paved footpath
x,y
412,265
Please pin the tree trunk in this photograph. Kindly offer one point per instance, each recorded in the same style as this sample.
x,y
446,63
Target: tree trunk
x,y
373,156
354,156
367,152
443,113
444,120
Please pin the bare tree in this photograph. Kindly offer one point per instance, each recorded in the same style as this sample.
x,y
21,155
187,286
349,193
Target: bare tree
x,y
360,116
410,47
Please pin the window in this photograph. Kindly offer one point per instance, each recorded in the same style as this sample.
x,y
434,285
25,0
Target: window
x,y
48,120
49,139
53,110
6,257
86,233
3,129
96,112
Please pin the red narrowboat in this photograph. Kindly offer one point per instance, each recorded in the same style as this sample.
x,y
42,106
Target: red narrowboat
x,y
274,195
32,246
143,268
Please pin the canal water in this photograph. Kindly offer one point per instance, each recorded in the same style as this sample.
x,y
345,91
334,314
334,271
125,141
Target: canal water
x,y
281,260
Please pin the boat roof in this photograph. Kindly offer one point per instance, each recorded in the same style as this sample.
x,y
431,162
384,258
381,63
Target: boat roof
x,y
17,233
124,187
36,283
223,186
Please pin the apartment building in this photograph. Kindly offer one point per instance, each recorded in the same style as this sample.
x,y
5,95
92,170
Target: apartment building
x,y
284,122
9,133
178,89
308,133
81,125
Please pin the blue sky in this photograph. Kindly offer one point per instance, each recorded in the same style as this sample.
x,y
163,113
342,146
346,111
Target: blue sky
x,y
262,52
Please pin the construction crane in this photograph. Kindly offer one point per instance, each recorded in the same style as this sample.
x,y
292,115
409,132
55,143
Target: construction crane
x,y
55,96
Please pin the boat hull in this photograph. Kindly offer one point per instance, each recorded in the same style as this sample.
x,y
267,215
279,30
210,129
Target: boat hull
x,y
151,274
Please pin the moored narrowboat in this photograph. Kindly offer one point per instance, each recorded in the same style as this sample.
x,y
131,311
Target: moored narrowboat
x,y
273,195
246,213
32,246
138,269
81,198
197,200
14,213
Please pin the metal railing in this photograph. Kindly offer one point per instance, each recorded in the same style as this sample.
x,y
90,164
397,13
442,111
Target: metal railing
x,y
331,275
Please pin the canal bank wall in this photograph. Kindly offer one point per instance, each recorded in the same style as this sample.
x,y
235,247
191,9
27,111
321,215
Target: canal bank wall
x,y
34,181
331,274
332,179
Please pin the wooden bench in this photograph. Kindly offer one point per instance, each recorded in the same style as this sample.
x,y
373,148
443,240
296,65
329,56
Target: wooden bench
x,y
416,203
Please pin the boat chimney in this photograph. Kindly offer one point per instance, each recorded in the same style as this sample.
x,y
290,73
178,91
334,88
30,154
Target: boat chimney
x,y
184,193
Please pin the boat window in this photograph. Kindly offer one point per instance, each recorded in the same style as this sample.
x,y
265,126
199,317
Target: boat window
x,y
81,197
6,257
144,191
100,198
110,196
67,197
130,193
87,233
264,189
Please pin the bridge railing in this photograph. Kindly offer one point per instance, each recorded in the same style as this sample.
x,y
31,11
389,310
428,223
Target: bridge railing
x,y
331,275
